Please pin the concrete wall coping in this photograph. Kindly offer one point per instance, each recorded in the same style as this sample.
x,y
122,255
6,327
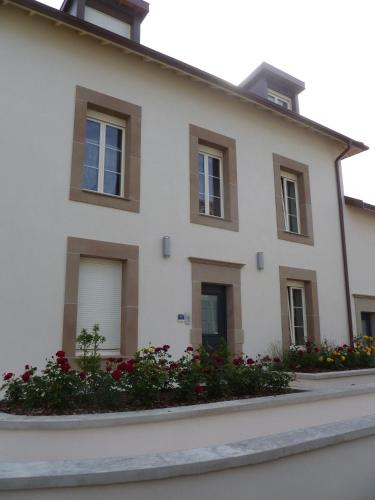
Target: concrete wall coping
x,y
61,422
119,470
334,374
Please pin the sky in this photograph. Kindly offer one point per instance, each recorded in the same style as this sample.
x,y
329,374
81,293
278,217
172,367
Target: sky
x,y
328,44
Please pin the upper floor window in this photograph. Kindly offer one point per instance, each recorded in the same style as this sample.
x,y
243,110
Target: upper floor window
x,y
289,187
106,156
279,99
210,166
104,163
297,313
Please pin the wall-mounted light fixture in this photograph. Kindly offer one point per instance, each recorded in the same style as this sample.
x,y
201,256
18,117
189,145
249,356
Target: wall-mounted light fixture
x,y
166,244
260,261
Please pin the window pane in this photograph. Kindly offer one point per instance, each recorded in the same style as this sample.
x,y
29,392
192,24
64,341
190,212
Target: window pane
x,y
215,206
293,224
92,131
209,315
112,183
91,155
297,297
214,186
291,188
298,317
201,183
202,208
112,160
90,178
113,137
292,206
300,336
213,166
201,163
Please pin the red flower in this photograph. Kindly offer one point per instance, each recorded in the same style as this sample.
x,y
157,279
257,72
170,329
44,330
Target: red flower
x,y
218,358
197,357
316,349
293,366
27,367
166,347
8,375
116,374
198,389
82,375
250,361
65,367
60,354
108,368
237,361
62,361
189,349
340,349
351,349
126,367
173,366
26,376
300,353
276,360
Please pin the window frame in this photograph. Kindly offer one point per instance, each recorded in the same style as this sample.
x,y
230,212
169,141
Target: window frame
x,y
129,256
307,277
292,178
291,286
209,152
277,96
105,120
299,171
89,101
204,138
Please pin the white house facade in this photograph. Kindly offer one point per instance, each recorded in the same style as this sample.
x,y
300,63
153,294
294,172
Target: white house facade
x,y
162,202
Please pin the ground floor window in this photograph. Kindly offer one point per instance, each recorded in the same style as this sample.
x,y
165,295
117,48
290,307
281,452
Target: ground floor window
x,y
297,313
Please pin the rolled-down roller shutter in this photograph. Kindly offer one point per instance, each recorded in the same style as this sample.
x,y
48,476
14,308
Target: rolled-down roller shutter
x,y
99,298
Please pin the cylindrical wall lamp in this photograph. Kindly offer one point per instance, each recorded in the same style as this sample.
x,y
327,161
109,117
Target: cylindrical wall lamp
x,y
166,244
260,261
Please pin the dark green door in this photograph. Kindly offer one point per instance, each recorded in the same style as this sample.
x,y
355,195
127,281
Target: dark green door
x,y
214,315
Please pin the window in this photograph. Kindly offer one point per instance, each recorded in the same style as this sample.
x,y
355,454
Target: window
x,y
299,306
101,286
367,319
103,166
106,151
297,313
99,299
289,186
365,314
279,99
210,165
293,201
213,179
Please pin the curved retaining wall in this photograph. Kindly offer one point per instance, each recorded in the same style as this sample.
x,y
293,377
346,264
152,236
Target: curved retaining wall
x,y
167,430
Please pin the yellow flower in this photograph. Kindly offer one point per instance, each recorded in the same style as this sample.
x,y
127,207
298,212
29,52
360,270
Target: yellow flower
x,y
368,353
330,360
321,359
335,353
343,358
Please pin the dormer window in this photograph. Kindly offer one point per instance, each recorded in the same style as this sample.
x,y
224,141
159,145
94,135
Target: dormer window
x,y
279,99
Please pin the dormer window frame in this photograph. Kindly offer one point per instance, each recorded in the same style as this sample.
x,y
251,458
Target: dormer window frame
x,y
280,99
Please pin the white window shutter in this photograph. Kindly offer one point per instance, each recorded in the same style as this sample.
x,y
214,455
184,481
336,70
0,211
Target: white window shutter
x,y
99,298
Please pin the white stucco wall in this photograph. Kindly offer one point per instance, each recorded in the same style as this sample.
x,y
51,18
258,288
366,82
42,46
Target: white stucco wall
x,y
41,66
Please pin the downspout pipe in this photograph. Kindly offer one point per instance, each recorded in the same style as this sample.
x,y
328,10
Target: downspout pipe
x,y
340,198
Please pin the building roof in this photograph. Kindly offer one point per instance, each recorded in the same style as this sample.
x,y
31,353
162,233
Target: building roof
x,y
129,46
355,202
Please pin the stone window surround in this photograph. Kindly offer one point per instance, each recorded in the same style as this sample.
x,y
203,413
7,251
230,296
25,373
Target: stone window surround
x,y
309,278
363,303
128,255
218,273
227,145
131,113
280,163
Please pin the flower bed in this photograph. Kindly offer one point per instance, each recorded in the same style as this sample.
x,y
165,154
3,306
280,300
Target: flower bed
x,y
150,379
326,358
